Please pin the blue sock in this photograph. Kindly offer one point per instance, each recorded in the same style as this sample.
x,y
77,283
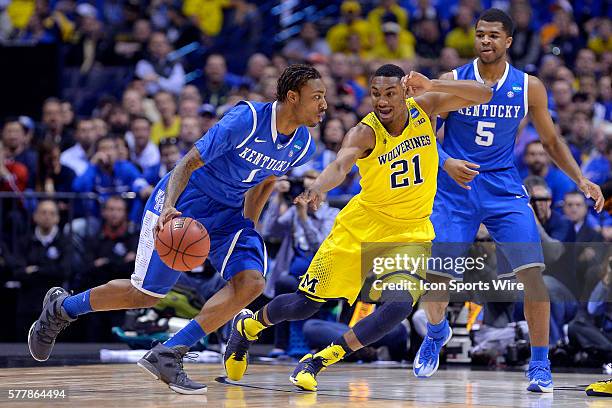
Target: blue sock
x,y
539,353
187,336
437,331
78,304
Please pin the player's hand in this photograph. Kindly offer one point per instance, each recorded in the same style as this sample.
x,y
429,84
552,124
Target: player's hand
x,y
416,84
461,171
166,215
592,190
311,197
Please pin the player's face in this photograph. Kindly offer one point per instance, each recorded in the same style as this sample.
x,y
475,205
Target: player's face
x,y
387,98
491,41
312,104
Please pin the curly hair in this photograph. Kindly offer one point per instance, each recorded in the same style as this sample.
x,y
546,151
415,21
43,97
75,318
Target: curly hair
x,y
293,78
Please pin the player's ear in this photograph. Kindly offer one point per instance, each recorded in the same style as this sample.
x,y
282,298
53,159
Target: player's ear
x,y
508,42
293,97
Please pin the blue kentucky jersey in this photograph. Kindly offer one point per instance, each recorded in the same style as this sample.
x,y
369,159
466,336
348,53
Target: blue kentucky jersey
x,y
485,134
244,148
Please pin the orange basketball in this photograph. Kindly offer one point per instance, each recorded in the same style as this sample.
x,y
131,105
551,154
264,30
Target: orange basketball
x,y
183,244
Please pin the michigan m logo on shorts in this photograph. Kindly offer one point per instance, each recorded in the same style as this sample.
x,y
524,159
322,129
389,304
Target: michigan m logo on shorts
x,y
309,284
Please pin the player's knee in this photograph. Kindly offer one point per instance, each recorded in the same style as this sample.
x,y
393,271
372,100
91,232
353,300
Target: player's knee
x,y
140,299
249,283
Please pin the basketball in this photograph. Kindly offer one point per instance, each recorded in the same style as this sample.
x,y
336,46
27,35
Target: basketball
x,y
183,244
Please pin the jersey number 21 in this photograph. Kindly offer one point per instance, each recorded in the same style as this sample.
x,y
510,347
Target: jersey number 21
x,y
399,178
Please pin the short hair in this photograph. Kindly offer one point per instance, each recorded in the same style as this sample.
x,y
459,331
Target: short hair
x,y
533,181
293,78
114,198
389,71
14,119
528,145
576,193
139,117
103,139
494,15
168,142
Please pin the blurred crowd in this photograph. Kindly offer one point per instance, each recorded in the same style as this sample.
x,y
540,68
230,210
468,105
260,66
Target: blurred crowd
x,y
188,62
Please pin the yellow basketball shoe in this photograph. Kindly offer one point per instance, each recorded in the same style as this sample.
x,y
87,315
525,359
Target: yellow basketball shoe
x,y
235,358
305,374
600,389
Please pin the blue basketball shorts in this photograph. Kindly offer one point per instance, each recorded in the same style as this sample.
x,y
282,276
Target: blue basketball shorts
x,y
235,246
500,202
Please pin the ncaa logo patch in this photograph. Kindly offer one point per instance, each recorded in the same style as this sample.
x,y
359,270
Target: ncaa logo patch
x,y
298,145
517,88
414,112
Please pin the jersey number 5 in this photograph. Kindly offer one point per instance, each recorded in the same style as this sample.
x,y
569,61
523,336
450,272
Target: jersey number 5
x,y
401,167
484,137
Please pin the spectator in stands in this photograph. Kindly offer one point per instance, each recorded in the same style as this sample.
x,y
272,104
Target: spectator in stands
x,y
428,42
525,49
381,14
600,37
240,35
566,41
300,231
256,67
89,44
538,164
158,71
46,262
581,136
68,116
397,44
562,98
132,103
143,152
106,175
308,45
170,156
14,139
77,157
605,96
52,126
586,63
188,107
560,273
131,47
351,23
51,175
191,131
343,74
449,60
207,13
461,37
215,88
191,92
170,123
108,255
13,175
596,166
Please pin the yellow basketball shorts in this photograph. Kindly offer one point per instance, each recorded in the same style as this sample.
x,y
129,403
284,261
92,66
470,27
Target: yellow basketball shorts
x,y
366,244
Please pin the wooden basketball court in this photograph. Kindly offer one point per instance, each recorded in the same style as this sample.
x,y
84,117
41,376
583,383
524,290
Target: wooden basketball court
x,y
346,385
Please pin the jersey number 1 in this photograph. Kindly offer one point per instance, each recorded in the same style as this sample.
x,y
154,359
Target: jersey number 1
x,y
484,137
401,167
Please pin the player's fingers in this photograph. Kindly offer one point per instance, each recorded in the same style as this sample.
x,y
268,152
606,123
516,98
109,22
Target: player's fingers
x,y
469,171
471,165
464,185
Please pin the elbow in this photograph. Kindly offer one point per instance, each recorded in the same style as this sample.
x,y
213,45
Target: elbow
x,y
487,94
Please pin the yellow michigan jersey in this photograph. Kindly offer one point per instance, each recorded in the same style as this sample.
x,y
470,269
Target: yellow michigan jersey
x,y
398,186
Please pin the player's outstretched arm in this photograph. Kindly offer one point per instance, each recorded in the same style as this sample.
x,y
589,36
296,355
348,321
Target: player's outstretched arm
x,y
256,198
176,185
554,145
358,143
436,96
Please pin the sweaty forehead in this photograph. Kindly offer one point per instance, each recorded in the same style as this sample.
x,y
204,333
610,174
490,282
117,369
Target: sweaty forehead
x,y
381,82
314,86
490,26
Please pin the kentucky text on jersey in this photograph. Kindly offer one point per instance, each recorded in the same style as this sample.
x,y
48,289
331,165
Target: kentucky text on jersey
x,y
263,161
403,147
485,134
492,111
243,149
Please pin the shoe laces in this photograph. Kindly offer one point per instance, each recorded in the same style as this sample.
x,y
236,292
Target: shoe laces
x,y
315,365
182,375
48,332
538,370
239,344
428,349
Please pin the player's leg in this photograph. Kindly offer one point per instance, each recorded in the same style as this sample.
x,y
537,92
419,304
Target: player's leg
x,y
456,225
395,306
151,280
512,226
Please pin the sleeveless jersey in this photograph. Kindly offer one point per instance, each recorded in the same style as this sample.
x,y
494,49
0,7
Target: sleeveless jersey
x,y
485,134
243,149
398,178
